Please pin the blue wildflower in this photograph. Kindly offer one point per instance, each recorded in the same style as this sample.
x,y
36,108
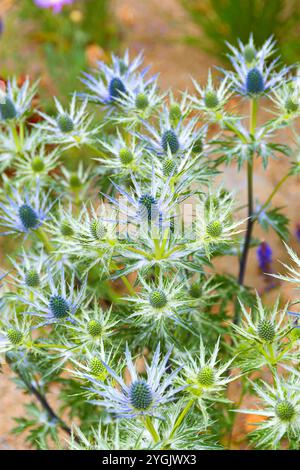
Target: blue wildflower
x,y
58,305
264,256
23,214
142,396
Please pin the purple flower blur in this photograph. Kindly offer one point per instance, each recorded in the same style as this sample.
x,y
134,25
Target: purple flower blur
x,y
297,232
56,5
264,256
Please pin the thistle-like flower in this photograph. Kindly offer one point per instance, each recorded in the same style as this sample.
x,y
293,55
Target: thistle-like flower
x,y
93,328
213,225
204,376
36,164
15,101
75,183
141,102
14,334
142,397
287,100
212,99
122,156
90,238
29,271
263,325
178,139
158,304
12,148
282,412
70,128
111,83
59,303
144,205
24,213
253,75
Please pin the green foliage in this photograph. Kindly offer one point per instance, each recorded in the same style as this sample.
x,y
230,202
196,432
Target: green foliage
x,y
231,19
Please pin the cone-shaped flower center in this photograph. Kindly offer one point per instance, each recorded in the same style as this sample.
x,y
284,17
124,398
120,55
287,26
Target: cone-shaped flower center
x,y
116,88
211,100
168,166
141,101
28,216
206,376
148,206
126,156
65,123
94,328
58,306
158,298
7,109
97,368
37,164
14,336
170,141
266,330
285,410
32,278
140,395
97,230
214,229
254,82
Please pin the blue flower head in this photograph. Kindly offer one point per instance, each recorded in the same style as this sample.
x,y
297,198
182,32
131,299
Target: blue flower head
x,y
24,213
111,83
59,303
253,73
143,396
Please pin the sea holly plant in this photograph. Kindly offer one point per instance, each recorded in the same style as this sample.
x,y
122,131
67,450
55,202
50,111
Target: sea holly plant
x,y
112,291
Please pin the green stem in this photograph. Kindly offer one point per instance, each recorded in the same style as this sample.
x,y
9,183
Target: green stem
x,y
277,187
243,260
181,417
43,237
150,427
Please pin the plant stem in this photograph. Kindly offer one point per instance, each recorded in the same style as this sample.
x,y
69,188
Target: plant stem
x,y
243,260
277,187
41,399
43,237
150,427
181,417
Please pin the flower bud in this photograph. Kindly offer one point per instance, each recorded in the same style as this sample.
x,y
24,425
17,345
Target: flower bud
x,y
158,298
126,156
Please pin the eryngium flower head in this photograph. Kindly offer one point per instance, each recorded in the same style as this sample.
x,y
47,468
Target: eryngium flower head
x,y
15,102
143,396
281,411
258,76
212,99
109,84
203,374
70,128
24,213
158,305
58,303
262,325
171,139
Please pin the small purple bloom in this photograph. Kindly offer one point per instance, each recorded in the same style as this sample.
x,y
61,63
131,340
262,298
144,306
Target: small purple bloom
x,y
264,256
297,232
56,5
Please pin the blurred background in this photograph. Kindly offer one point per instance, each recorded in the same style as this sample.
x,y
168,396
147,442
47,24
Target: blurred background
x,y
180,38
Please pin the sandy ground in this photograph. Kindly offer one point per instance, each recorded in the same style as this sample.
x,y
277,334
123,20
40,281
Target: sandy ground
x,y
158,27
